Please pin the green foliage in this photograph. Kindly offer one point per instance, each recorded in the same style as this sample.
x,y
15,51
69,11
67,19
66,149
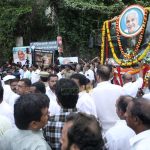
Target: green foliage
x,y
8,18
20,18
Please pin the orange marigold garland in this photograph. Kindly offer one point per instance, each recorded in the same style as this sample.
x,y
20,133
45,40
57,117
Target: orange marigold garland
x,y
121,61
103,43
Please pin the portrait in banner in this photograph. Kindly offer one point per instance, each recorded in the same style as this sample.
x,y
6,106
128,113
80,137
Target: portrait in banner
x,y
131,20
43,58
22,55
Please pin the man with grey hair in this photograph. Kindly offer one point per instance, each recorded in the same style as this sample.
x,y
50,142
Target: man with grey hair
x,y
138,118
131,21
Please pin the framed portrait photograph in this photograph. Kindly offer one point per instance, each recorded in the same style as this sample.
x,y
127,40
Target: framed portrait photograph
x,y
131,20
22,55
43,57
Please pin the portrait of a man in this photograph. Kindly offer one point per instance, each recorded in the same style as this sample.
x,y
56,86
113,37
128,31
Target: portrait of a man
x,y
22,55
131,20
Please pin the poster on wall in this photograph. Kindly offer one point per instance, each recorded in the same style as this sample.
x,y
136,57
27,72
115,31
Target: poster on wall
x,y
43,57
22,55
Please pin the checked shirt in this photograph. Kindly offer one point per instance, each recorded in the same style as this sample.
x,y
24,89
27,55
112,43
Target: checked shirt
x,y
53,129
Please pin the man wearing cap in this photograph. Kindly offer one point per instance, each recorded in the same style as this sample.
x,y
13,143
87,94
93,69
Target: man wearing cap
x,y
7,88
44,77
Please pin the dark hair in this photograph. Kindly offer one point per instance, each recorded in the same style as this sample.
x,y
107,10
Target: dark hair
x,y
52,75
40,87
80,77
28,108
123,102
35,65
104,72
26,81
14,80
85,132
67,93
141,109
1,92
44,79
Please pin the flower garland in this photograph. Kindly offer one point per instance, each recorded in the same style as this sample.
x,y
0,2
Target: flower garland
x,y
129,56
103,43
122,62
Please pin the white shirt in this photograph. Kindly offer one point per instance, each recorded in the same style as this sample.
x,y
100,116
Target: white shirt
x,y
7,89
147,96
13,98
7,111
141,141
35,77
89,74
5,124
54,108
105,96
21,73
131,88
118,136
27,74
86,104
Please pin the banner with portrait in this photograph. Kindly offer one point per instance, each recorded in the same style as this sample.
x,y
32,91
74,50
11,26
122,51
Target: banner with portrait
x,y
22,55
128,37
43,57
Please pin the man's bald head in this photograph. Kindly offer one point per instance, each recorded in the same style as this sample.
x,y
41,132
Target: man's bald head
x,y
104,72
127,78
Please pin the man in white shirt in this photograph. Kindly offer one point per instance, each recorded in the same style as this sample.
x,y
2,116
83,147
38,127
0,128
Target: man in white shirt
x,y
116,139
89,73
26,73
35,77
50,92
131,88
105,96
138,118
5,109
23,86
85,102
31,115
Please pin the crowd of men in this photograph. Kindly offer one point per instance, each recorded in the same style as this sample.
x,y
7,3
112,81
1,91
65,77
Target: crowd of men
x,y
72,107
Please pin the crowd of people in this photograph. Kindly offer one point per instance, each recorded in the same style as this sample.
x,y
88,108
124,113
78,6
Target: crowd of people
x,y
72,107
